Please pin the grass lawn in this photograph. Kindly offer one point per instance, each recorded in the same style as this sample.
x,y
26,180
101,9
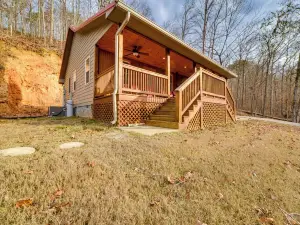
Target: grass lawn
x,y
245,173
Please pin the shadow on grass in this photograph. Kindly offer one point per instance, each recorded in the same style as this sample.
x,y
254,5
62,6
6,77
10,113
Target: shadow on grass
x,y
63,122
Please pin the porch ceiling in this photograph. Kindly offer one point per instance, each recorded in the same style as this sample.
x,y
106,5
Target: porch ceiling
x,y
156,33
157,52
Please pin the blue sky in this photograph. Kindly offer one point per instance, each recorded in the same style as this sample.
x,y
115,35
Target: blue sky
x,y
165,9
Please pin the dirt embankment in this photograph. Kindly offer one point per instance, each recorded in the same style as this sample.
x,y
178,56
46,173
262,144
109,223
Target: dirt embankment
x,y
28,82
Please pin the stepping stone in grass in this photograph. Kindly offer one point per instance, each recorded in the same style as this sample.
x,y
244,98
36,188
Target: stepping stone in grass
x,y
71,145
17,151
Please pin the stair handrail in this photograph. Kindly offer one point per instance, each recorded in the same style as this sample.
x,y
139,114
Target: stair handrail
x,y
178,94
232,99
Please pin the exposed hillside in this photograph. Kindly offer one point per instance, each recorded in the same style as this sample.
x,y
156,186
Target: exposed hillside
x,y
28,80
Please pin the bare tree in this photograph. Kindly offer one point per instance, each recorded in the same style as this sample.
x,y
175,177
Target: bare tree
x,y
142,7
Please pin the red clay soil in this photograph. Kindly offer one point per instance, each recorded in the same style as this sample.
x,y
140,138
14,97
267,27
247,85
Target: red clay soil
x,y
28,82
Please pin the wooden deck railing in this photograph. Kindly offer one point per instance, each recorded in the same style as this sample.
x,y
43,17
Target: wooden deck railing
x,y
141,81
213,84
187,93
105,82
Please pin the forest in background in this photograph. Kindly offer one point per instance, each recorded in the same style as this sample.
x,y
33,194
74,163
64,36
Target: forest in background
x,y
262,49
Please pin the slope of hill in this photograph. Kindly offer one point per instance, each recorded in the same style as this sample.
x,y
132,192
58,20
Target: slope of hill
x,y
28,81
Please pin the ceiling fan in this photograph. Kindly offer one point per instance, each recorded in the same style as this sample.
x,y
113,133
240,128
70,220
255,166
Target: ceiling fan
x,y
136,51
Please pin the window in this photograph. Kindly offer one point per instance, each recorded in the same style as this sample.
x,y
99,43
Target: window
x,y
87,70
74,80
69,84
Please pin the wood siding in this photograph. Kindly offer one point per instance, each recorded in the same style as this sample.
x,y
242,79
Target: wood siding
x,y
82,47
106,60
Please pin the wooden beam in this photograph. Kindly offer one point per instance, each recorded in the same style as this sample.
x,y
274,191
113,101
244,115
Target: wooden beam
x,y
195,66
174,81
96,67
168,69
120,62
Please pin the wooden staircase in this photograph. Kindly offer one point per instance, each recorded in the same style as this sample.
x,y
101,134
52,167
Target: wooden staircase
x,y
179,112
165,116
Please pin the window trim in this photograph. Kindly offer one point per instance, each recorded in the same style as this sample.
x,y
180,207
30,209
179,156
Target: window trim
x,y
87,58
74,80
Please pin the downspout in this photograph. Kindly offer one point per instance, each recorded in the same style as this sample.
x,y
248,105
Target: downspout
x,y
116,78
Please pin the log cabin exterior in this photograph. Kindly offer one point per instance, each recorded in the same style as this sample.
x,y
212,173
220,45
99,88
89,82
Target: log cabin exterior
x,y
119,67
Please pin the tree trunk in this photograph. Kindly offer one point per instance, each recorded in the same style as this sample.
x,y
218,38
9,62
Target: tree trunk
x,y
266,88
271,89
51,21
73,12
44,24
282,93
298,112
296,89
204,26
0,19
244,84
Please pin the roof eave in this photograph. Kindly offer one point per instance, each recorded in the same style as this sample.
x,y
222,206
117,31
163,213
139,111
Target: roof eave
x,y
66,55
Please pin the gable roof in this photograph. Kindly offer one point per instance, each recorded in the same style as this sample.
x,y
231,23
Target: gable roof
x,y
116,13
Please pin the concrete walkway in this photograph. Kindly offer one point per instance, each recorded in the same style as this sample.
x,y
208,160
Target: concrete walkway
x,y
148,130
267,120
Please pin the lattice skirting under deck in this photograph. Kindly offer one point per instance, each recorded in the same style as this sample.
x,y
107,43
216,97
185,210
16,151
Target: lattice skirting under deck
x,y
213,114
195,123
130,112
103,111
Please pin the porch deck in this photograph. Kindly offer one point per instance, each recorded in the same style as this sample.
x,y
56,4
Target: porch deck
x,y
202,100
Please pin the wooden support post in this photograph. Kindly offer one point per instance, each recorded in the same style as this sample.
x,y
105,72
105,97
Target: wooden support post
x,y
175,75
226,97
201,115
120,62
201,82
168,69
201,97
178,99
195,66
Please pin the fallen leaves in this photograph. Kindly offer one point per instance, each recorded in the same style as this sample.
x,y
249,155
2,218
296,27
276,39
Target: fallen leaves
x,y
91,164
24,203
28,172
267,220
265,216
56,194
58,207
221,196
180,180
155,203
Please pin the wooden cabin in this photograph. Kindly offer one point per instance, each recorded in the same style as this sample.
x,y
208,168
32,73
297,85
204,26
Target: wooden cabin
x,y
121,68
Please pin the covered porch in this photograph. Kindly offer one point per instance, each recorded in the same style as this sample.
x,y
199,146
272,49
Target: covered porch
x,y
151,76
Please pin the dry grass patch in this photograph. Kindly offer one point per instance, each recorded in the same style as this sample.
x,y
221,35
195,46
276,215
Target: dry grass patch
x,y
240,174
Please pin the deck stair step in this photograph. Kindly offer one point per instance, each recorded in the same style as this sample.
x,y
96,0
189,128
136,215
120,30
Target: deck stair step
x,y
165,116
160,123
165,112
